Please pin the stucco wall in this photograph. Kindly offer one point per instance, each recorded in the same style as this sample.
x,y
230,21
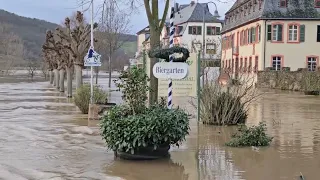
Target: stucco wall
x,y
294,54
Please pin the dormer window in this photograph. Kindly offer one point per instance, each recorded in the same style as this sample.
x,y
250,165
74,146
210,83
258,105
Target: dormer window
x,y
283,3
317,3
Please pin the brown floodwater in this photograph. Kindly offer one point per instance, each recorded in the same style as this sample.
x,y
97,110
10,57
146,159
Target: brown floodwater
x,y
44,136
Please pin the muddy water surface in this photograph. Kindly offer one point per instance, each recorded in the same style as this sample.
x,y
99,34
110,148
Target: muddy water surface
x,y
44,136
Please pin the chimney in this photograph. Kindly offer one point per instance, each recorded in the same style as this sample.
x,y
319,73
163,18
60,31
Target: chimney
x,y
192,3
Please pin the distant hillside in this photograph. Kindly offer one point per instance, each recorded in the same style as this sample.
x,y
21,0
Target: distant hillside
x,y
32,32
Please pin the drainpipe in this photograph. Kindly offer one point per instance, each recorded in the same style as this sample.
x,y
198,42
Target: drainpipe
x,y
264,44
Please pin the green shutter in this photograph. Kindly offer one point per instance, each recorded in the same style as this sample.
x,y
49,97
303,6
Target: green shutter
x,y
280,32
199,30
302,33
269,32
190,30
217,30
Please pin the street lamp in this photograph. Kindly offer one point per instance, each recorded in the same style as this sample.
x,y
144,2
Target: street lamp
x,y
216,16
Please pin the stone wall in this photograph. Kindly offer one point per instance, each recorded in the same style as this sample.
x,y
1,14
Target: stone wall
x,y
289,80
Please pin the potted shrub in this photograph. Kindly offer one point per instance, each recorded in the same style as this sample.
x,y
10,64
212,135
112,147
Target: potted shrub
x,y
134,131
82,97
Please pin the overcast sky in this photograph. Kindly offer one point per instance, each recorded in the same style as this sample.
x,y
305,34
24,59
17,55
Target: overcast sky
x,y
56,10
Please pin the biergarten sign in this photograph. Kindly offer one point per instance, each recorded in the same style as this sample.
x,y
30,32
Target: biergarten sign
x,y
162,70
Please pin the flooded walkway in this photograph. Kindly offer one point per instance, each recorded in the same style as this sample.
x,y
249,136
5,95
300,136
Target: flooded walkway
x,y
44,136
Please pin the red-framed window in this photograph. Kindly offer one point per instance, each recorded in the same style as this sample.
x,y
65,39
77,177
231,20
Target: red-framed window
x,y
256,61
250,65
245,65
283,3
317,3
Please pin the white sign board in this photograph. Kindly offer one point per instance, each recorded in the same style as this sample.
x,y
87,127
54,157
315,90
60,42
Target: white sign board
x,y
173,70
92,58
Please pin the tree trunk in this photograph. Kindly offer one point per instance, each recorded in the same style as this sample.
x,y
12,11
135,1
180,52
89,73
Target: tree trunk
x,y
62,71
154,43
56,78
110,69
69,82
78,73
51,76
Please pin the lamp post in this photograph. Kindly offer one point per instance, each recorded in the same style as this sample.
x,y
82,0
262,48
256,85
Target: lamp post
x,y
215,15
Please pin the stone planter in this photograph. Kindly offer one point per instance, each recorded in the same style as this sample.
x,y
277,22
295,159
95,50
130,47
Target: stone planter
x,y
145,153
315,93
95,110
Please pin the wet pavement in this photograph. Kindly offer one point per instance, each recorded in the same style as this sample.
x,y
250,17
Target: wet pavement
x,y
44,136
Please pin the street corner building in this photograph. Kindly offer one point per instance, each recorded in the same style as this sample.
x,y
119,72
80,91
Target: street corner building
x,y
271,34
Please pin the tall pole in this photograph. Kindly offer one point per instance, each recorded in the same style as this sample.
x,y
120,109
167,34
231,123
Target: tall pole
x,y
203,45
171,56
92,47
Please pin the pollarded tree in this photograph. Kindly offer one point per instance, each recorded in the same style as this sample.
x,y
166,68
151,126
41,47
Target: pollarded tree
x,y
54,44
78,38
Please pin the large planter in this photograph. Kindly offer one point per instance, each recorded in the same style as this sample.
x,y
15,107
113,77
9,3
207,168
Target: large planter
x,y
315,93
145,153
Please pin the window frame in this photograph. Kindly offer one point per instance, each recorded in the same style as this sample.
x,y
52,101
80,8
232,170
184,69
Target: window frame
x,y
281,61
196,28
297,31
317,62
212,29
277,32
315,4
285,4
256,63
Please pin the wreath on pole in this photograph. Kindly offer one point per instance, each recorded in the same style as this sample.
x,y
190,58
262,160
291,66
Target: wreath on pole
x,y
165,54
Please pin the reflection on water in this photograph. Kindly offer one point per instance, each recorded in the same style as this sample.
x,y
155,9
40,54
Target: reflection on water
x,y
44,136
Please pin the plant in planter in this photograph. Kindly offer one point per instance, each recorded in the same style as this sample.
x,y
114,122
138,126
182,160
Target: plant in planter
x,y
82,97
134,131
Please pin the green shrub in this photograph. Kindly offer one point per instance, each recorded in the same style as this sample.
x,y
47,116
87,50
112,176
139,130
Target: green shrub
x,y
223,108
82,97
134,88
250,136
153,127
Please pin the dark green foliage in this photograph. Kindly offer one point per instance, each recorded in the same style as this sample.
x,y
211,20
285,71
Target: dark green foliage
x,y
155,126
250,136
82,97
165,53
134,88
131,126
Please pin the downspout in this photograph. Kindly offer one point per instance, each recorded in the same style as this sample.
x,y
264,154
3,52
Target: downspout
x,y
264,44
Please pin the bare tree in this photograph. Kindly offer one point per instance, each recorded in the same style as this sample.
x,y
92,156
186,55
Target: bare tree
x,y
78,42
11,46
114,24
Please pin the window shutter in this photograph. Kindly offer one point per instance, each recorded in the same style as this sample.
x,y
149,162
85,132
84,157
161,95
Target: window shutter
x,y
190,30
302,32
217,30
269,32
199,29
280,32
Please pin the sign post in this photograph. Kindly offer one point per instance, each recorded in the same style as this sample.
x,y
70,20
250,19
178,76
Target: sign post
x,y
172,29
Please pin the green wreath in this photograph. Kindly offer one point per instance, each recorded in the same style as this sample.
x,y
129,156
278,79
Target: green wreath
x,y
165,53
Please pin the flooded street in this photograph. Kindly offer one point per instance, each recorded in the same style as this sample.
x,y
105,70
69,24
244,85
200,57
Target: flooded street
x,y
44,136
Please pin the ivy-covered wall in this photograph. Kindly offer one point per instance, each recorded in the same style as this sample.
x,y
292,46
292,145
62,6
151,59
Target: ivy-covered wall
x,y
289,80
294,9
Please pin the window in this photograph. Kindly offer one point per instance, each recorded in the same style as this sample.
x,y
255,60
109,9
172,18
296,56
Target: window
x,y
258,29
241,63
293,33
318,33
269,32
178,30
312,63
317,3
249,36
195,30
283,3
256,64
250,65
276,62
212,30
253,35
245,65
210,48
277,32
